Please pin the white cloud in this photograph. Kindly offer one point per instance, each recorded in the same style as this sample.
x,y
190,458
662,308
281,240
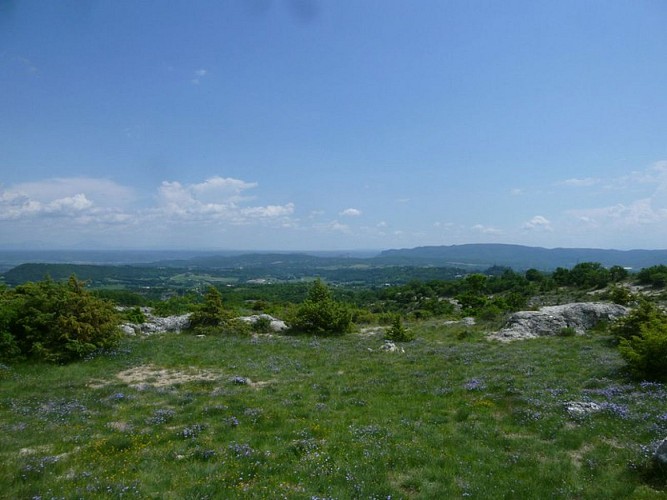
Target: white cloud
x,y
653,176
198,76
485,229
333,225
269,211
76,203
537,223
585,182
104,208
14,205
639,212
32,200
350,212
649,207
28,65
216,199
102,192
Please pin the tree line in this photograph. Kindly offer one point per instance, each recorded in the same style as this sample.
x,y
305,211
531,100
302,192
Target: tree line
x,y
61,321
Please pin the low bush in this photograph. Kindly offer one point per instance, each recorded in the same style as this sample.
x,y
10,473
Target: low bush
x,y
211,314
262,325
320,314
567,331
646,353
642,341
645,313
398,332
55,322
135,315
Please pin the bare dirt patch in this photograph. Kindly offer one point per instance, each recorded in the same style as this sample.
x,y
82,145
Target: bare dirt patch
x,y
120,426
152,376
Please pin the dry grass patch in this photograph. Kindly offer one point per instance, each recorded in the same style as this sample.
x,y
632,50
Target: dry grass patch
x,y
144,376
152,376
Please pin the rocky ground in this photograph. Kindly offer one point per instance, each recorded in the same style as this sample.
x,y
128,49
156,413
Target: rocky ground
x,y
552,320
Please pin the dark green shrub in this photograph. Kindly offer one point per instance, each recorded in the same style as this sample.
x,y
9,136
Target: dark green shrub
x,y
320,314
363,316
9,350
490,312
175,305
135,315
471,303
655,276
121,297
211,314
398,332
645,313
646,353
56,322
235,326
567,331
262,325
620,295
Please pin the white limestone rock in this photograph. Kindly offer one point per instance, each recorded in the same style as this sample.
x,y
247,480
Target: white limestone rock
x,y
551,320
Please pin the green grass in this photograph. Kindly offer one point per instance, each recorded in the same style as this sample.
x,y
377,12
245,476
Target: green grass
x,y
302,417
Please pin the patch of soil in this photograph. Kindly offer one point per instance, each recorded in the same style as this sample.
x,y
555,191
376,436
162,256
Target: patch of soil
x,y
153,376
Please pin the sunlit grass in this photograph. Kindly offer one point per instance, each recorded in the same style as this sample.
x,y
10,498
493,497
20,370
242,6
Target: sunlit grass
x,y
301,417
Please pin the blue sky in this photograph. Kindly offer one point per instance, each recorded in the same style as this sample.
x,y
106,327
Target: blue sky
x,y
333,124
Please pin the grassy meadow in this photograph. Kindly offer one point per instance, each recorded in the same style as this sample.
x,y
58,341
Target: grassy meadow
x,y
454,415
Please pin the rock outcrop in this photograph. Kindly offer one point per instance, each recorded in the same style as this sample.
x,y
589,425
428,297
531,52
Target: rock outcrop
x,y
156,324
551,320
390,346
275,325
660,455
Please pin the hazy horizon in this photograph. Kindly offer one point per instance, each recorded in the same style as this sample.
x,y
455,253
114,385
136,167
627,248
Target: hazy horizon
x,y
237,251
318,125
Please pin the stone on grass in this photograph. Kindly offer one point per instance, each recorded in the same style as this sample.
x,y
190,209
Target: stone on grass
x,y
660,455
276,325
551,320
390,346
156,324
581,408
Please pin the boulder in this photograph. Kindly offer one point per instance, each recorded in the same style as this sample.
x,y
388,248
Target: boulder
x,y
551,320
390,346
275,324
581,408
156,324
660,454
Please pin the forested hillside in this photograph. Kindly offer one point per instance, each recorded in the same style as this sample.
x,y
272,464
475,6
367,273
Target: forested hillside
x,y
522,257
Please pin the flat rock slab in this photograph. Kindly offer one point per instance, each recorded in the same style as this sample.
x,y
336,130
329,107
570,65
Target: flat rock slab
x,y
551,320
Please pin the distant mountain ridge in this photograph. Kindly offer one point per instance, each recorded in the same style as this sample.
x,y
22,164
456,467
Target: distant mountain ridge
x,y
520,257
470,257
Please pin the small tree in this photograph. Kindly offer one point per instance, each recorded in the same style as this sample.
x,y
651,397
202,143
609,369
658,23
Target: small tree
x,y
397,332
320,314
645,313
646,353
9,349
211,314
642,338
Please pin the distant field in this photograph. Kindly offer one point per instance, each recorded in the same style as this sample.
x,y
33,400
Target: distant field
x,y
179,416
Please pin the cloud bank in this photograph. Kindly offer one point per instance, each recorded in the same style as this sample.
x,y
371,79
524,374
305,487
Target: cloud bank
x,y
101,208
